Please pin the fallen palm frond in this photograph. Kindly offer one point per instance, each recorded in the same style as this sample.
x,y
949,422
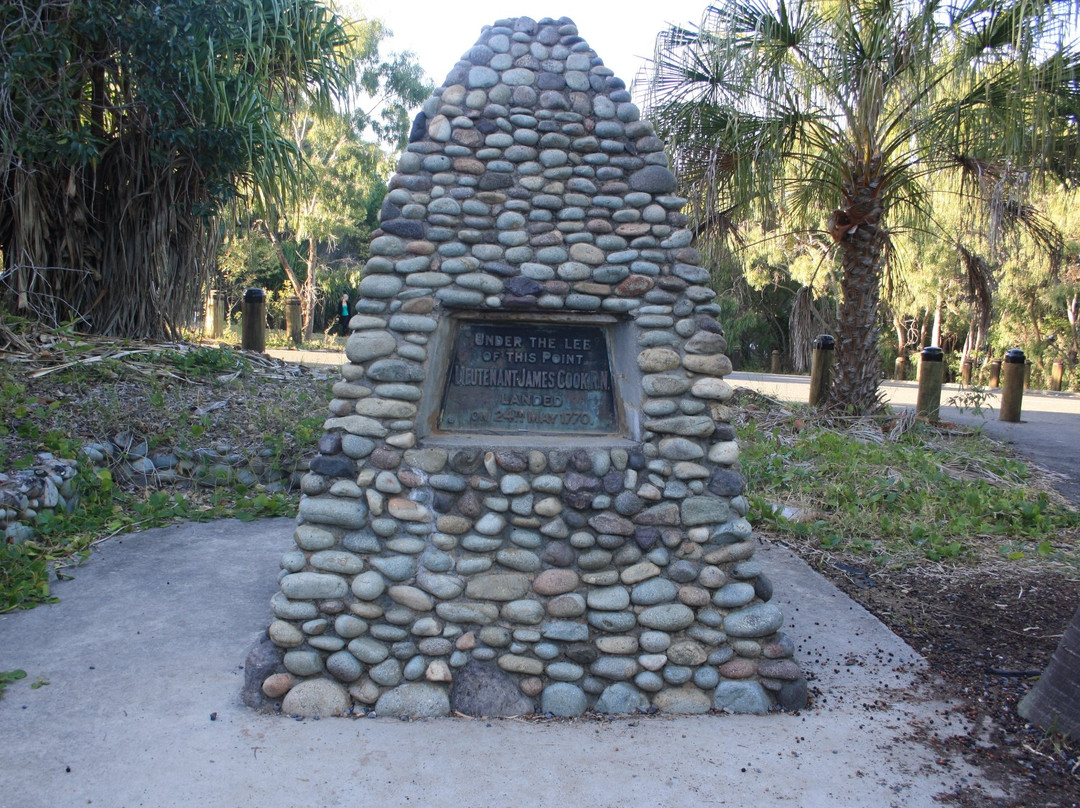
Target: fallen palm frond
x,y
44,352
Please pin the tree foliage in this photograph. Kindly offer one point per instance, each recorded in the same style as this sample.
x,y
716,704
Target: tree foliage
x,y
127,125
840,117
338,197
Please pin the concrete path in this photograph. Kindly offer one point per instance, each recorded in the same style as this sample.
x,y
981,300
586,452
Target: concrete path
x,y
132,698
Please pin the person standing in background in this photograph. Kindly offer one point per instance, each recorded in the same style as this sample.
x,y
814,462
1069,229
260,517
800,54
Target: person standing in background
x,y
343,316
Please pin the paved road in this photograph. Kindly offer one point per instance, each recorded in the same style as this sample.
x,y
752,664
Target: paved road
x,y
1048,432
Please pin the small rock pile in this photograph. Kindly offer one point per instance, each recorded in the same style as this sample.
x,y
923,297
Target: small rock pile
x,y
500,574
26,495
51,485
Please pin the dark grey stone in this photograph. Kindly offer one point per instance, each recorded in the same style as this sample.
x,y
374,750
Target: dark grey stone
x,y
480,54
419,127
628,503
683,571
646,537
334,466
792,696
522,286
763,588
330,443
558,554
723,432
263,659
405,228
726,483
481,689
653,179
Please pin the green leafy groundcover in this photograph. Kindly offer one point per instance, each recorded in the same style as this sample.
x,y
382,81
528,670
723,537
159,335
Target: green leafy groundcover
x,y
24,577
925,495
7,677
106,511
65,539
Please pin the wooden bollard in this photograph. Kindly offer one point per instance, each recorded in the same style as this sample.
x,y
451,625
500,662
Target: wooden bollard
x,y
900,369
253,314
820,365
995,373
931,373
775,360
1057,373
293,321
1012,386
965,372
215,314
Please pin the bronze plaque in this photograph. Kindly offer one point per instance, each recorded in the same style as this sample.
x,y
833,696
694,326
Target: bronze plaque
x,y
528,377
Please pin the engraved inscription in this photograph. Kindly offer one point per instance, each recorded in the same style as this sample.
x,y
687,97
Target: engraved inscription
x,y
529,377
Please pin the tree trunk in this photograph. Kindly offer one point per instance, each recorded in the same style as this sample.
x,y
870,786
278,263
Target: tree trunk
x,y
115,250
969,340
935,333
1033,310
298,289
1073,307
1054,702
307,300
857,364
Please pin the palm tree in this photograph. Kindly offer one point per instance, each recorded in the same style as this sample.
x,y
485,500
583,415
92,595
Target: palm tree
x,y
791,110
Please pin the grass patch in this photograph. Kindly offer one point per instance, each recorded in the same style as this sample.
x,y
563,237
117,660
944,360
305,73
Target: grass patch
x,y
898,495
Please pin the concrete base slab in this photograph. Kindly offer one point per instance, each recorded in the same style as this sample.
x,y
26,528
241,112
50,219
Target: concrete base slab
x,y
139,673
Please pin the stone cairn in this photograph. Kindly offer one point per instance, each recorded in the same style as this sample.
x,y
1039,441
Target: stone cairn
x,y
492,574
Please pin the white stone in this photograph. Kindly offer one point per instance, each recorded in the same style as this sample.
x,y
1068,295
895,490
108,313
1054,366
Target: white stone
x,y
712,388
725,452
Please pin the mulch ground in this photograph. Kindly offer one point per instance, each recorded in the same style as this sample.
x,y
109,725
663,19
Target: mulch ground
x,y
986,635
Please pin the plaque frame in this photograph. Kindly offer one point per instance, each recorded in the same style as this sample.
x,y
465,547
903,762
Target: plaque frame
x,y
621,337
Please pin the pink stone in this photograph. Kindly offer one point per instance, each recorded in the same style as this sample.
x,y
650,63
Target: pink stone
x,y
738,668
277,685
780,669
556,582
532,685
694,596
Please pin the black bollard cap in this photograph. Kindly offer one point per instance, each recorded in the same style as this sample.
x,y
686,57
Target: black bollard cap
x,y
932,353
1014,356
824,342
254,294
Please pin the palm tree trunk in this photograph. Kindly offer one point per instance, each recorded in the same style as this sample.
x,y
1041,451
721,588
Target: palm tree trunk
x,y
1054,702
858,366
